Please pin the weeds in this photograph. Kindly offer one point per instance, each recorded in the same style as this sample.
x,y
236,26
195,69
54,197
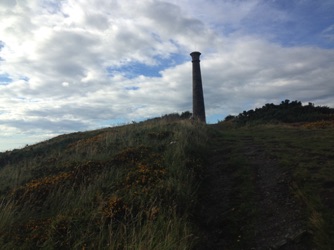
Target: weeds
x,y
305,152
128,187
136,186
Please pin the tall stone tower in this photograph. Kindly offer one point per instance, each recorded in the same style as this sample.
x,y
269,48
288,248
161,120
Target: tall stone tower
x,y
198,99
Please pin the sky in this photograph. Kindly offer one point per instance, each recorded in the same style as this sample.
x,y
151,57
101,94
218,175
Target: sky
x,y
78,65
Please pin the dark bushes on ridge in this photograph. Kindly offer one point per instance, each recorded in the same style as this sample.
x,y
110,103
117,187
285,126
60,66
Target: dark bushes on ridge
x,y
286,112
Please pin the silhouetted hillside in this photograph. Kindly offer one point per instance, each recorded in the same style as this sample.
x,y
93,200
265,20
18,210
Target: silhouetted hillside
x,y
286,112
126,187
173,183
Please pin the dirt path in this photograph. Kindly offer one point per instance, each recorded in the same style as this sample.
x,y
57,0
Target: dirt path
x,y
247,203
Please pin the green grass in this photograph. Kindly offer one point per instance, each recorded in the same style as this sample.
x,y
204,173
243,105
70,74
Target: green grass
x,y
305,152
129,187
240,211
136,186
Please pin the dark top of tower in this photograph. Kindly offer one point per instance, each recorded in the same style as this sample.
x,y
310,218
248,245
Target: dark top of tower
x,y
195,55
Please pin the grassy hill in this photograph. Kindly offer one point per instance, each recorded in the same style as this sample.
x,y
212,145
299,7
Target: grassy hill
x,y
173,184
276,186
128,187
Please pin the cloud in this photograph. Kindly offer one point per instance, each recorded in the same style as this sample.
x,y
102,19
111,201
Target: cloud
x,y
261,70
77,65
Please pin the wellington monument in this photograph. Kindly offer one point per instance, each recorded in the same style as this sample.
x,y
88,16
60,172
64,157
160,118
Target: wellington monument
x,y
198,98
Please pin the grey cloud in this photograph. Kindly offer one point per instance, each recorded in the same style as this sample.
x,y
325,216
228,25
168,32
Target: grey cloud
x,y
69,46
46,125
240,71
97,20
8,3
294,73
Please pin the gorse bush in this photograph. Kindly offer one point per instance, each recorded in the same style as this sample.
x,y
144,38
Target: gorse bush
x,y
128,187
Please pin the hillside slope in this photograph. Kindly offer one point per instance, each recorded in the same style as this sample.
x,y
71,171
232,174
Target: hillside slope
x,y
268,187
175,184
128,187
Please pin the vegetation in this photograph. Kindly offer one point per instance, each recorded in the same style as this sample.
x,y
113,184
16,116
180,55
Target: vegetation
x,y
144,185
130,187
285,112
299,139
304,155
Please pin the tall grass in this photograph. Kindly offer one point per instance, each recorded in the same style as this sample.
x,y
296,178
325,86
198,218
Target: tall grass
x,y
304,152
129,187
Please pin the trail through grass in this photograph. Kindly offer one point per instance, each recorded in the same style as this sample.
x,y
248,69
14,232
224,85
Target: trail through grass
x,y
172,185
268,186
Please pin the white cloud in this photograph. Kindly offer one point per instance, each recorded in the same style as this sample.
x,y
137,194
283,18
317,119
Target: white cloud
x,y
69,61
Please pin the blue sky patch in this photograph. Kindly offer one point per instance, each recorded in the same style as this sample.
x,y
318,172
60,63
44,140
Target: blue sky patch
x,y
5,79
132,88
134,69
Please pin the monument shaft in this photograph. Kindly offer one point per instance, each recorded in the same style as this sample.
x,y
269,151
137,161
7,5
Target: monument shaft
x,y
198,98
